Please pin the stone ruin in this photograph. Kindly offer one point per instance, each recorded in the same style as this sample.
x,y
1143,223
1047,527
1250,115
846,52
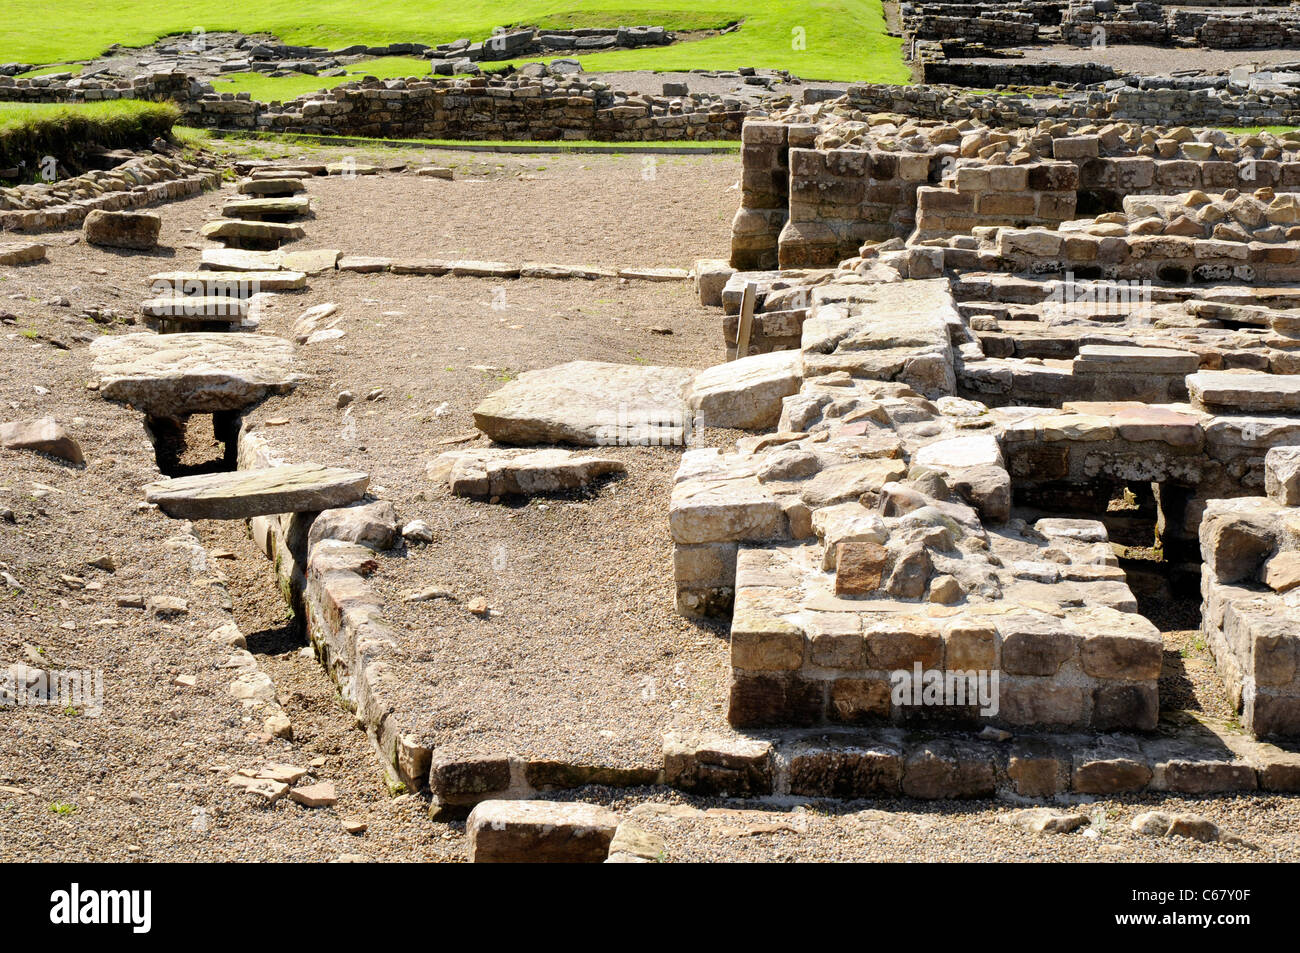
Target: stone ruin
x,y
973,389
966,366
959,42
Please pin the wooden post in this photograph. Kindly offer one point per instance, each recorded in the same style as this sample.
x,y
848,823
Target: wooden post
x,y
746,325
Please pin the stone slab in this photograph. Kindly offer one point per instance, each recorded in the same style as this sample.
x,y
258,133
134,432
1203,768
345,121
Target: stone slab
x,y
746,393
245,284
267,208
243,494
1266,393
227,308
21,253
233,259
590,403
170,375
539,832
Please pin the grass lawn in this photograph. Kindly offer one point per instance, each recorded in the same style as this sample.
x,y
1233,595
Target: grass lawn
x,y
73,68
1255,130
30,130
843,39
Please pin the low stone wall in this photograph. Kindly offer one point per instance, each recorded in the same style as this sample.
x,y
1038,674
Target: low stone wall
x,y
156,87
990,29
1089,32
1250,547
480,108
135,184
1250,32
985,75
841,198
1173,106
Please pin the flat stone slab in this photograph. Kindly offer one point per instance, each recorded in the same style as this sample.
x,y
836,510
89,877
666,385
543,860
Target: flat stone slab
x,y
590,403
233,259
484,269
21,253
244,230
245,284
492,472
271,187
312,261
267,208
229,308
960,452
538,269
746,393
170,375
1246,392
243,494
1110,358
363,265
539,832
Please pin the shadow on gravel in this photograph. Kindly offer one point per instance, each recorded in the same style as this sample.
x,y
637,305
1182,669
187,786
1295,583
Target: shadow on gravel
x,y
278,640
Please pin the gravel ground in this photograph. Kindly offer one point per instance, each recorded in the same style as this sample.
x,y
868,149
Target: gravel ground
x,y
584,588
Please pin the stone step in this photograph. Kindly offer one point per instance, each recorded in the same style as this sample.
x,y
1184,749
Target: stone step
x,y
242,233
1229,390
268,187
233,259
243,494
1120,359
267,208
243,284
171,375
1190,755
228,308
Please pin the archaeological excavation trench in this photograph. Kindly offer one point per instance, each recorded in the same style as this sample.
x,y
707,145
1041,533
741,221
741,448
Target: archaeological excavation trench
x,y
971,482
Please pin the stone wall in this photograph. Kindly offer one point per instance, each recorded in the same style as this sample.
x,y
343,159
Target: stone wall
x,y
764,192
480,108
1173,106
137,183
1251,551
157,87
521,106
1250,32
990,29
840,198
1036,193
984,75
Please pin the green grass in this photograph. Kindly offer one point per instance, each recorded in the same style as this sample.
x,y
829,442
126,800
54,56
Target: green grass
x,y
31,130
1255,130
844,38
73,68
